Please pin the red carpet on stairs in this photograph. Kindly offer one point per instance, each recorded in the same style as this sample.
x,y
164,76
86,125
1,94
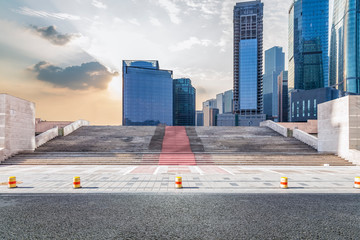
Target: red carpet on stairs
x,y
176,148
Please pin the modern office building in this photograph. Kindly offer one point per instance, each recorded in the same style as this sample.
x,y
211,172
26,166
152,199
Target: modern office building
x,y
283,99
184,102
308,44
274,65
248,57
230,119
210,116
212,103
303,103
228,101
220,102
199,118
147,94
345,46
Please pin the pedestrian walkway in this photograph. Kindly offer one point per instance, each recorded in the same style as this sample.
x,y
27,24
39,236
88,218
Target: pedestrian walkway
x,y
176,148
196,179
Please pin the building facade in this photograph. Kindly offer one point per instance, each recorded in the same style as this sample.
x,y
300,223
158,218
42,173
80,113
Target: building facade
x,y
210,116
228,101
304,103
308,44
184,102
147,94
345,46
248,57
212,103
199,118
283,99
274,65
220,102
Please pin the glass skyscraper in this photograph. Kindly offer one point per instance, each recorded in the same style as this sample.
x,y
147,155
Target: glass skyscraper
x,y
345,46
274,65
184,102
308,44
147,94
248,57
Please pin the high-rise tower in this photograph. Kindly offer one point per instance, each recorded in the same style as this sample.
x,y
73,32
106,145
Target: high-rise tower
x,y
248,57
308,44
345,46
274,65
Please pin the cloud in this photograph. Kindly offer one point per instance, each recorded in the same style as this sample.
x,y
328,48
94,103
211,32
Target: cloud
x,y
188,44
88,75
34,13
172,10
98,4
134,21
53,36
155,22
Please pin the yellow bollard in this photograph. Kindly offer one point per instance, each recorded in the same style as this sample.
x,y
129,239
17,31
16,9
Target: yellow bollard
x,y
178,182
357,182
284,182
76,182
12,182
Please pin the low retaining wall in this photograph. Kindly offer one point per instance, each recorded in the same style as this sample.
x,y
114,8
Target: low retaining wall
x,y
2,158
46,136
352,156
305,138
74,126
276,127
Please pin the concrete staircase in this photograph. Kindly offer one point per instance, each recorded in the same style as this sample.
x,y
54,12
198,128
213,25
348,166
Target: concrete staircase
x,y
93,145
105,158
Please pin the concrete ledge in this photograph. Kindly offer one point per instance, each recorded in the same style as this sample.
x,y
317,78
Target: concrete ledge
x,y
46,136
305,138
74,126
2,158
352,156
276,127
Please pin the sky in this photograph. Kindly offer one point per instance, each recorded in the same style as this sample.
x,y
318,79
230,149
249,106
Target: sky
x,y
66,55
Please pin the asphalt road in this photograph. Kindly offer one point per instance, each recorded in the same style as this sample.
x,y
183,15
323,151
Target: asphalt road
x,y
164,216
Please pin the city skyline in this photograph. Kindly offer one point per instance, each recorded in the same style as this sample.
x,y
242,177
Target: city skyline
x,y
46,42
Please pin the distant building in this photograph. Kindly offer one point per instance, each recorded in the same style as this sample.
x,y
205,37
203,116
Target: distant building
x,y
210,115
228,99
308,44
345,47
248,57
303,103
283,99
274,65
228,119
184,102
220,102
199,118
212,103
147,94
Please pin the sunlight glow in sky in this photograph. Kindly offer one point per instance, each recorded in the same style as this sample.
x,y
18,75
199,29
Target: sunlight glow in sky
x,y
65,55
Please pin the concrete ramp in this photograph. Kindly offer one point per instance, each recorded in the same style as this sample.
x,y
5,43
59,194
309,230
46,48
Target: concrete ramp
x,y
176,148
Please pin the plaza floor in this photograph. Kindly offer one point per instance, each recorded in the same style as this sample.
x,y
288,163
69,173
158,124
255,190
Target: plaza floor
x,y
196,179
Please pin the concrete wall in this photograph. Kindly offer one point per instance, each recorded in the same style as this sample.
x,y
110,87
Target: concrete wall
x,y
311,126
339,126
2,158
74,126
305,138
43,126
276,127
46,136
17,125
